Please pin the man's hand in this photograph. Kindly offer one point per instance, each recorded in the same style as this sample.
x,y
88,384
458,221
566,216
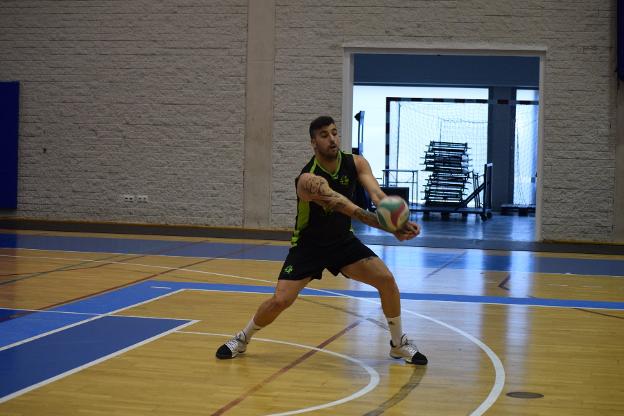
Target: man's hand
x,y
409,231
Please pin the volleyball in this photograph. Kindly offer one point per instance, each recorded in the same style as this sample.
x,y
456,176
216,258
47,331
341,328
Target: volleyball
x,y
392,213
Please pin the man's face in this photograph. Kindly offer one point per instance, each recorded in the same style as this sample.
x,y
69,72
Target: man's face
x,y
326,142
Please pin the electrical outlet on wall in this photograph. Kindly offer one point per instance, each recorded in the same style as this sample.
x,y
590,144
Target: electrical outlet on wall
x,y
127,198
142,198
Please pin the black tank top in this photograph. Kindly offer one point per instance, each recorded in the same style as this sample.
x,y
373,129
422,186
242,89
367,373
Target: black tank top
x,y
315,224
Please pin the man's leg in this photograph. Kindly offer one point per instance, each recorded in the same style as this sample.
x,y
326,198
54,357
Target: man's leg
x,y
285,294
374,272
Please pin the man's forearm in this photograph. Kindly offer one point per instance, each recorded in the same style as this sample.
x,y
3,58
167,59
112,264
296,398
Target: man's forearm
x,y
367,218
321,193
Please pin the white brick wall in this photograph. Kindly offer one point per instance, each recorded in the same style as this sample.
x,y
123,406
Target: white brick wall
x,y
579,86
147,97
129,97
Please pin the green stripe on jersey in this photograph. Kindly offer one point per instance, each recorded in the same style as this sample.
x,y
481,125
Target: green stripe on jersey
x,y
303,218
333,175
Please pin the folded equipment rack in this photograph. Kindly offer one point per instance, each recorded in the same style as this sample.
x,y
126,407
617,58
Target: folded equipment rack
x,y
447,184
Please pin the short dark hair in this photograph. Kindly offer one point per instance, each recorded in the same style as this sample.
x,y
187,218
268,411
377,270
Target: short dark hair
x,y
320,122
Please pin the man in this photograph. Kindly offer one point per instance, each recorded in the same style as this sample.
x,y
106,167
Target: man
x,y
323,240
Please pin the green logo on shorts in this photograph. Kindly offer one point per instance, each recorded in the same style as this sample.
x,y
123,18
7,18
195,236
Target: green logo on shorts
x,y
288,269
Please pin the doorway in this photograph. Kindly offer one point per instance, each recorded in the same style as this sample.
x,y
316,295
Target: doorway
x,y
504,82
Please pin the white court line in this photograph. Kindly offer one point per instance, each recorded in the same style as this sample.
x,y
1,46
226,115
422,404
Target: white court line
x,y
90,313
252,292
499,380
463,302
24,341
373,374
522,272
145,265
92,363
122,254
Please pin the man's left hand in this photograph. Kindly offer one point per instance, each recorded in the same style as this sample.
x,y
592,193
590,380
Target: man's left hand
x,y
408,231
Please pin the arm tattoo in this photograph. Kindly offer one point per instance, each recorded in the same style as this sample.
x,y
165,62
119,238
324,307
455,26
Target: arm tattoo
x,y
324,195
367,218
313,185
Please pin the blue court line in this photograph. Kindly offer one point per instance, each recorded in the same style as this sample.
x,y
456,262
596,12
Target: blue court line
x,y
440,297
113,301
37,323
8,314
418,257
33,324
52,354
499,300
28,364
137,246
85,244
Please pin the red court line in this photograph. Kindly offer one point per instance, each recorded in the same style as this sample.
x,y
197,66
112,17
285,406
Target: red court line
x,y
124,284
73,267
283,370
134,281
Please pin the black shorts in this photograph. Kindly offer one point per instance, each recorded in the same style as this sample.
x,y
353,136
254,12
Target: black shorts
x,y
309,260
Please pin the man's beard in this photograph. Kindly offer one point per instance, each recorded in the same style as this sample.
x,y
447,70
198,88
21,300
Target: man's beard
x,y
330,154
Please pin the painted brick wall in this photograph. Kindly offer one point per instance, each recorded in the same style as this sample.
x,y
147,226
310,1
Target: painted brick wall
x,y
147,97
136,97
579,86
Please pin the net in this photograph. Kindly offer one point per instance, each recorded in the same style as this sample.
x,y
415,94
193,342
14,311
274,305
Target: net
x,y
525,154
414,123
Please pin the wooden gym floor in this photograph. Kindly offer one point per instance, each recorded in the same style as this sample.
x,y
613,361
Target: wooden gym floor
x,y
96,324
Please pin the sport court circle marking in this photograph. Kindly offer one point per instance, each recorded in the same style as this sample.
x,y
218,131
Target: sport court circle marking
x,y
499,370
373,382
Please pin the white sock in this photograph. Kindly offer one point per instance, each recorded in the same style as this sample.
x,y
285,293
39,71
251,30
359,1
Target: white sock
x,y
251,329
396,329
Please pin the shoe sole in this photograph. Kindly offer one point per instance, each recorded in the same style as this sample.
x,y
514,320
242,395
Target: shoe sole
x,y
227,357
409,362
400,357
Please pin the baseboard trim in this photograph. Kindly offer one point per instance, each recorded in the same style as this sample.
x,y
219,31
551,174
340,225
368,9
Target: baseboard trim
x,y
145,229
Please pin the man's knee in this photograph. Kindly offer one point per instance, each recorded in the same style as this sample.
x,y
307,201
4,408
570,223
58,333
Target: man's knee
x,y
282,302
386,281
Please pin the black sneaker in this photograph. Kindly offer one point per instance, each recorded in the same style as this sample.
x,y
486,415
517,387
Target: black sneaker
x,y
233,347
408,351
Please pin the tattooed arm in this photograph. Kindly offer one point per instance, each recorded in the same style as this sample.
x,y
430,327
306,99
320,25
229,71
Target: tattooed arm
x,y
315,188
368,181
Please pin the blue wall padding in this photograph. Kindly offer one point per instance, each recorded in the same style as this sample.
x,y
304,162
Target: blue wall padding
x,y
9,122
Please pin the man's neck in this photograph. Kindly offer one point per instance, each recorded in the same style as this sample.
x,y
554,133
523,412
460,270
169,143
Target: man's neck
x,y
330,165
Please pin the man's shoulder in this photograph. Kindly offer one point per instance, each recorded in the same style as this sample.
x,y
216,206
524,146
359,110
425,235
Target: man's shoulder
x,y
306,169
308,166
354,161
358,158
